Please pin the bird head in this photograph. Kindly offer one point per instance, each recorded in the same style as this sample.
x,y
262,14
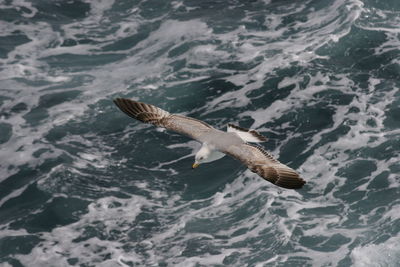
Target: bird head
x,y
201,157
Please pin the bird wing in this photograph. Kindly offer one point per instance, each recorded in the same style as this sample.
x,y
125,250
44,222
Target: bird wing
x,y
151,114
264,164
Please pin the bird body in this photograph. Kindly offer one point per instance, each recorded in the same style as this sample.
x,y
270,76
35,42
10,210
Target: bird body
x,y
216,143
207,153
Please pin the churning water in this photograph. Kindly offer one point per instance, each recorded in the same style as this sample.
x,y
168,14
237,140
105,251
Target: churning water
x,y
82,184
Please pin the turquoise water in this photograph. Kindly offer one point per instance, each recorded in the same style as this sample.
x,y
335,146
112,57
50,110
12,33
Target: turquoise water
x,y
82,184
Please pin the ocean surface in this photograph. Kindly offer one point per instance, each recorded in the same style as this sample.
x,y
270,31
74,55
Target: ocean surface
x,y
82,184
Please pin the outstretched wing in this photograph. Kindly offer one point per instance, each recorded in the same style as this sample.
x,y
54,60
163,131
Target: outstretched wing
x,y
151,114
264,164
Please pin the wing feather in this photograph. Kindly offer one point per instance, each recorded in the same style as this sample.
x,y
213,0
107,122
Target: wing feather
x,y
265,165
151,114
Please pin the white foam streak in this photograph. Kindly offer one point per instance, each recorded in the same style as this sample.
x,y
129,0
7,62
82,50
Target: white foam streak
x,y
384,254
17,4
59,244
105,236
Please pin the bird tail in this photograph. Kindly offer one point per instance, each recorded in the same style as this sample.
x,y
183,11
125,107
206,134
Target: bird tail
x,y
247,135
143,112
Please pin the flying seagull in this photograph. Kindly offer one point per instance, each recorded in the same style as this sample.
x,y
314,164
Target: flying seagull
x,y
216,143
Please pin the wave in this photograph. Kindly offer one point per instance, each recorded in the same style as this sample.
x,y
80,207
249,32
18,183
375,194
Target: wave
x,y
83,184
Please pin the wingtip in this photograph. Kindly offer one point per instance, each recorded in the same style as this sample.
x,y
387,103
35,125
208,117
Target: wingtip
x,y
289,180
117,100
301,183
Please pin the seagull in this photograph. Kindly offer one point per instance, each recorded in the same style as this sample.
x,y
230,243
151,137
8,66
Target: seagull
x,y
235,142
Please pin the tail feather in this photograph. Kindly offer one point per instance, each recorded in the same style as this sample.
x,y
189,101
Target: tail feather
x,y
247,135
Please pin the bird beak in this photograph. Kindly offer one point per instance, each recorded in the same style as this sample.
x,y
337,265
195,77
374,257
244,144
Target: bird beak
x,y
195,165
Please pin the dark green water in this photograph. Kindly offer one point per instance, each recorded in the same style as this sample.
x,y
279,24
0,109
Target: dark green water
x,y
82,184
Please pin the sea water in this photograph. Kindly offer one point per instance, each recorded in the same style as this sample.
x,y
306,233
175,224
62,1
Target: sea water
x,y
82,184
